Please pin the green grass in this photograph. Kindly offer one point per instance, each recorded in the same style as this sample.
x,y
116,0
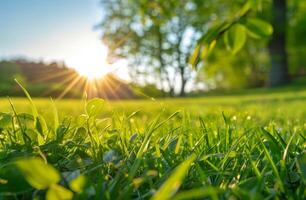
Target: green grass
x,y
242,146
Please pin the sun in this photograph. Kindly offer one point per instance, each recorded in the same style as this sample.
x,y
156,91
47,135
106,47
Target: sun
x,y
92,71
91,61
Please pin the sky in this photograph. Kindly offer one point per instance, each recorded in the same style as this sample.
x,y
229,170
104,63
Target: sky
x,y
61,30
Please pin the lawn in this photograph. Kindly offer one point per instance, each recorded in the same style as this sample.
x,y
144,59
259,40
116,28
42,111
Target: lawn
x,y
249,145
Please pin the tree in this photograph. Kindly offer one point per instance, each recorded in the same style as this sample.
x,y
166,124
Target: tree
x,y
8,72
152,35
296,40
155,37
279,71
279,65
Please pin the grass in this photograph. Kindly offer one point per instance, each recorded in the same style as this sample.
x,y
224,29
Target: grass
x,y
242,146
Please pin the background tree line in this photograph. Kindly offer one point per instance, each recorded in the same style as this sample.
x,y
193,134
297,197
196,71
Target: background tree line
x,y
56,80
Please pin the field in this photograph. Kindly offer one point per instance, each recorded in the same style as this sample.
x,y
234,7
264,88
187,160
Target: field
x,y
239,146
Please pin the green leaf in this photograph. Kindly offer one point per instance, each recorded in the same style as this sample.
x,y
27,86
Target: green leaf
x,y
5,119
249,183
302,166
57,192
25,118
258,28
199,193
214,32
201,52
12,181
273,165
38,127
33,107
81,119
55,115
208,41
275,145
32,134
194,58
37,173
94,107
81,134
207,49
235,38
245,8
172,184
78,184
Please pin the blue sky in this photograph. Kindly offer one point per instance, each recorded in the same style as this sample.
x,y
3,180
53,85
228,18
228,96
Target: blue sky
x,y
53,30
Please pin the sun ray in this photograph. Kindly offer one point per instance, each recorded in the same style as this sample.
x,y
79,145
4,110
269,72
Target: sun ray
x,y
85,90
61,84
107,84
48,77
117,87
80,84
69,87
101,91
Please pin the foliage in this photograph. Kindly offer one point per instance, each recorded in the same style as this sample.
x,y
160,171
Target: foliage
x,y
255,149
148,90
234,31
296,42
9,71
156,37
29,73
152,34
147,33
248,70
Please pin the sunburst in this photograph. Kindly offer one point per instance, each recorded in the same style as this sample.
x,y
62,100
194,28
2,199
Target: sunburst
x,y
89,74
91,62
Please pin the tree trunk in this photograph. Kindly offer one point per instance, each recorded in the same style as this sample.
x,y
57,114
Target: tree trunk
x,y
183,86
181,65
279,65
163,70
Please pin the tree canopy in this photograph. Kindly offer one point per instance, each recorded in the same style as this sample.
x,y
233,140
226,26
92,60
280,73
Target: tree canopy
x,y
163,40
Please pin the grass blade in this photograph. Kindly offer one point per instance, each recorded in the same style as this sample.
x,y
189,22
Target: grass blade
x,y
33,107
172,184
